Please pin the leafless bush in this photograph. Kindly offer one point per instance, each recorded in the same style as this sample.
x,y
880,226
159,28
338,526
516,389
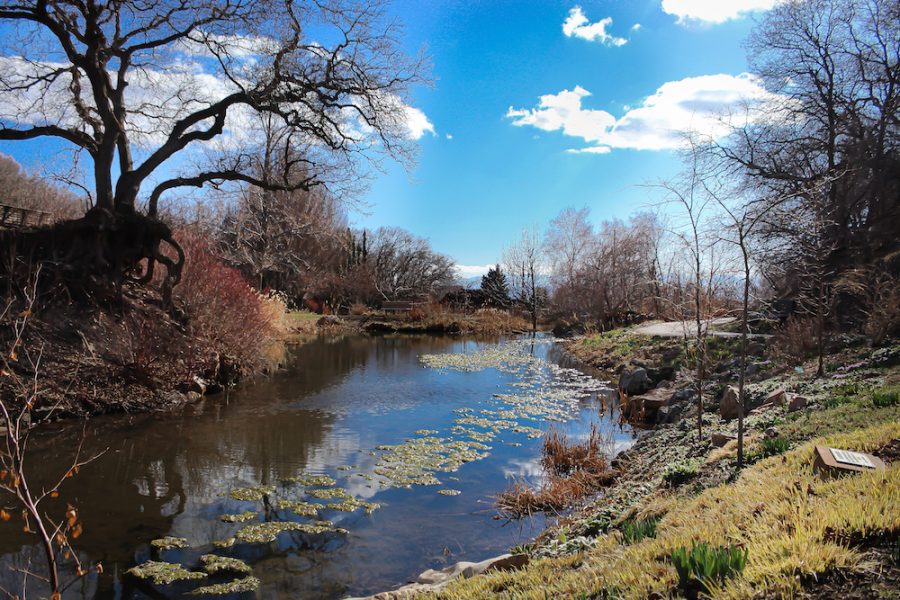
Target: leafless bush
x,y
20,392
795,341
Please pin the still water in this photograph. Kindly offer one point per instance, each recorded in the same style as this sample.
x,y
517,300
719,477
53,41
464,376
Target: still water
x,y
334,411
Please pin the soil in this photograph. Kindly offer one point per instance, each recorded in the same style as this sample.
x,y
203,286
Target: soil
x,y
87,360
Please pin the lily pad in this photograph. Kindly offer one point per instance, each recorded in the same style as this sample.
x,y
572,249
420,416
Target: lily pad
x,y
169,543
329,493
260,533
213,563
240,518
163,573
253,493
237,586
304,509
311,480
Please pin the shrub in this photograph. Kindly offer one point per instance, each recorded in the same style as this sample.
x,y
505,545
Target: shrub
x,y
635,531
886,397
702,566
223,310
795,341
681,472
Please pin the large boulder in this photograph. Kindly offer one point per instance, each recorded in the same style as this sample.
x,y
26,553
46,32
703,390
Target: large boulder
x,y
728,407
634,382
796,403
777,396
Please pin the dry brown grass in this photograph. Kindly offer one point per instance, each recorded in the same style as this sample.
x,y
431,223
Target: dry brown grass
x,y
562,457
573,470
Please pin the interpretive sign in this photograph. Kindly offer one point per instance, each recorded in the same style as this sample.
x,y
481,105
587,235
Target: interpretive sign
x,y
835,461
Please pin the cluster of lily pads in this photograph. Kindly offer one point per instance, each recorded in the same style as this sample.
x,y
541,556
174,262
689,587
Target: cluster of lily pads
x,y
256,527
543,392
540,392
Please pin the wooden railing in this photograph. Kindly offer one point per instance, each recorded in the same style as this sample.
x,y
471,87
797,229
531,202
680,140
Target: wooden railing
x,y
16,217
399,306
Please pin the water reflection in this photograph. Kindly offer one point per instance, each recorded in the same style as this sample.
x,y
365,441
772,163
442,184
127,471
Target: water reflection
x,y
168,474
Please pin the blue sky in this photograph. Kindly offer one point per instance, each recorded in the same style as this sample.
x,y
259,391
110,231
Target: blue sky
x,y
472,194
538,105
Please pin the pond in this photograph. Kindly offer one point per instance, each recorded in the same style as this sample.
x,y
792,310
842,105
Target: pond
x,y
371,458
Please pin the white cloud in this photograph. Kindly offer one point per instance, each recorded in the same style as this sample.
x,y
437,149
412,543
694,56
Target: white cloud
x,y
713,11
466,271
578,25
636,27
449,136
417,123
708,105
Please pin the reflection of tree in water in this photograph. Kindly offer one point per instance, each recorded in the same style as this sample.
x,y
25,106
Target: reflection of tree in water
x,y
160,467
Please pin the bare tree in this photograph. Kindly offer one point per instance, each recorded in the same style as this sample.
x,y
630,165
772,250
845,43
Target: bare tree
x,y
689,194
568,243
523,261
830,139
135,85
274,236
406,266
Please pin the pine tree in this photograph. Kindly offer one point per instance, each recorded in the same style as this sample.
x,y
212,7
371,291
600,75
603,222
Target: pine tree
x,y
495,288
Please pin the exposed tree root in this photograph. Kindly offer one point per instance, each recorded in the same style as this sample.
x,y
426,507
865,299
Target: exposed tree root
x,y
94,253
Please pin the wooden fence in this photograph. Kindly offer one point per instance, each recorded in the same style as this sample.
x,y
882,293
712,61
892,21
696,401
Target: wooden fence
x,y
16,217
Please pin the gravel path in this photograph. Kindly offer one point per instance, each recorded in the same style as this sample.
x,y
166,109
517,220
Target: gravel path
x,y
680,328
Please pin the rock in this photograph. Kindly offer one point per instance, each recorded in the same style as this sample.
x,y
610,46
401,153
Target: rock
x,y
777,397
634,382
771,432
192,396
668,414
720,439
328,320
505,562
796,403
663,384
681,396
660,374
728,407
670,354
752,369
198,386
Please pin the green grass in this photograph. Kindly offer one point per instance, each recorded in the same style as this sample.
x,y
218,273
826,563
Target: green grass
x,y
681,472
635,531
703,566
885,398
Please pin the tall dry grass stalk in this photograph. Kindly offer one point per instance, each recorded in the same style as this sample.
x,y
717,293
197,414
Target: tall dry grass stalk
x,y
573,470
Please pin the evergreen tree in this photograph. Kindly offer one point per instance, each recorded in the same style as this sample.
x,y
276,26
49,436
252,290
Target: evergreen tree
x,y
495,288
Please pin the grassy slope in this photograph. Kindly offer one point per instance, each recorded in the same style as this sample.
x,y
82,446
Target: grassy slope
x,y
796,526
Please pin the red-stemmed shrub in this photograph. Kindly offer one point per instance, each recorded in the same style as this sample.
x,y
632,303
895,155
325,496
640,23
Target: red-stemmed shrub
x,y
223,310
